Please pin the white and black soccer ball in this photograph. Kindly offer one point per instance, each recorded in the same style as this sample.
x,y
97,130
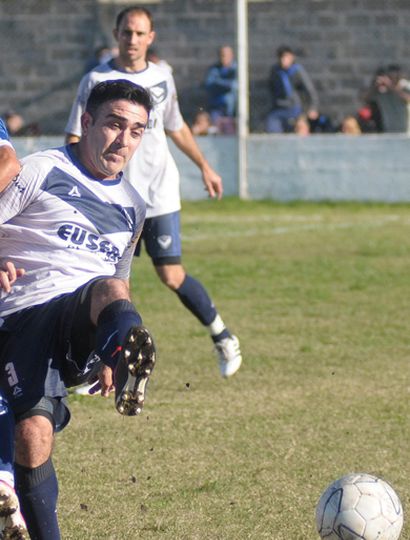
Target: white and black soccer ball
x,y
359,507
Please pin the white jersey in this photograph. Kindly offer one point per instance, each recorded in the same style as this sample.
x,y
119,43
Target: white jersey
x,y
152,169
65,228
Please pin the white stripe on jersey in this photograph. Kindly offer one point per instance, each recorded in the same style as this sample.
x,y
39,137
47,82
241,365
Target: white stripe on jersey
x,y
65,228
152,170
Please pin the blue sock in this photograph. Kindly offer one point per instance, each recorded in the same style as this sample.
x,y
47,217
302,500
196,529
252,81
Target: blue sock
x,y
113,324
194,297
7,436
37,490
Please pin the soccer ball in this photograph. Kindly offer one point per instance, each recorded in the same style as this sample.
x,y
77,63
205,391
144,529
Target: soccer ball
x,y
359,507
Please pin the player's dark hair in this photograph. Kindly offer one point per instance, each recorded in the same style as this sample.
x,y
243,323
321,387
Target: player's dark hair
x,y
115,90
134,9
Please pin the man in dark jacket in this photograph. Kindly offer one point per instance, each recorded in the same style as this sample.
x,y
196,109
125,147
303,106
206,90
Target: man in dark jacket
x,y
290,87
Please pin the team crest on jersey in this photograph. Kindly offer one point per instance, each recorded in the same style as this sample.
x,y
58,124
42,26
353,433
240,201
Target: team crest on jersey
x,y
164,241
159,92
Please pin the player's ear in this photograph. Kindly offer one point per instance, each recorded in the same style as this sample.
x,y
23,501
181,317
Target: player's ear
x,y
115,33
86,120
151,37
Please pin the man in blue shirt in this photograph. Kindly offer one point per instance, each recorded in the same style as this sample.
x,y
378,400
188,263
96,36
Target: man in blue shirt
x,y
221,83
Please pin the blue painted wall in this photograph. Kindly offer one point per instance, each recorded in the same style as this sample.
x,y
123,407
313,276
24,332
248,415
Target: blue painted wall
x,y
287,168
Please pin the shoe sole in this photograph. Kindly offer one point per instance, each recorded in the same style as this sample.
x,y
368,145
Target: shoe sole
x,y
135,367
12,527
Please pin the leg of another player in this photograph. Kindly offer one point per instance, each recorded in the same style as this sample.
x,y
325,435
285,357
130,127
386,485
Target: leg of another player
x,y
36,481
195,298
6,442
125,347
12,524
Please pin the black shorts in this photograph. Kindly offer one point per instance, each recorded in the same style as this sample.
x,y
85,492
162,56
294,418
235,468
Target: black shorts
x,y
45,349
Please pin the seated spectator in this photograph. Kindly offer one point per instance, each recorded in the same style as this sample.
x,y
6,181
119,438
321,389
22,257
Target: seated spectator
x,y
17,127
221,84
320,123
202,124
153,56
302,126
350,126
388,100
102,55
290,86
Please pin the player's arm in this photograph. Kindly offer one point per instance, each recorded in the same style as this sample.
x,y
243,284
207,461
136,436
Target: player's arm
x,y
71,139
9,165
8,275
185,141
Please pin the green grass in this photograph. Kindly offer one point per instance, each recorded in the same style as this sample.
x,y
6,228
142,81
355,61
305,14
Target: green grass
x,y
319,296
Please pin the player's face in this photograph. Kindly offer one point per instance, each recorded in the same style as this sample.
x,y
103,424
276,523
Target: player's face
x,y
110,138
134,36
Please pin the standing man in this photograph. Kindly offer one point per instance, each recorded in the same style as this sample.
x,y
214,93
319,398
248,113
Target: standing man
x,y
290,86
155,172
69,224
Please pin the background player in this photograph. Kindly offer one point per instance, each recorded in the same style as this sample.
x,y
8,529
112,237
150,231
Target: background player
x,y
9,164
154,171
13,524
71,221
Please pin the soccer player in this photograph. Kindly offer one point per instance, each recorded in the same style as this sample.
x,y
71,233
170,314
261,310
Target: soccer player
x,y
9,164
69,224
154,167
13,521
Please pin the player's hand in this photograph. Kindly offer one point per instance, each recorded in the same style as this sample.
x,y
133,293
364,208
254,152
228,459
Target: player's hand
x,y
105,377
8,275
212,182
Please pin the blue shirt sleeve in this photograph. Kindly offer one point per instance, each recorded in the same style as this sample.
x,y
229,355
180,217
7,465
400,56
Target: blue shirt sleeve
x,y
3,131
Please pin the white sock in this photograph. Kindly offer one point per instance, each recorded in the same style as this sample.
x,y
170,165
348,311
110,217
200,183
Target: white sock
x,y
217,326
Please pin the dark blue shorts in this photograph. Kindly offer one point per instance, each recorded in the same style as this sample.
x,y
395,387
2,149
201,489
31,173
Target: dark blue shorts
x,y
162,238
45,349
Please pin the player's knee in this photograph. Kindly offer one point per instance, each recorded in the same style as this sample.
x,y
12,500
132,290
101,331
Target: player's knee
x,y
172,276
34,441
105,292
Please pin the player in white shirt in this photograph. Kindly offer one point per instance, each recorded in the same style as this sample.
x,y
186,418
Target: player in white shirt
x,y
13,521
9,164
69,223
153,171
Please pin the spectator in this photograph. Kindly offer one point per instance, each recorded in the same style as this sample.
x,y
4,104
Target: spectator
x,y
18,128
221,83
321,123
153,56
202,124
388,100
302,126
290,86
102,54
350,126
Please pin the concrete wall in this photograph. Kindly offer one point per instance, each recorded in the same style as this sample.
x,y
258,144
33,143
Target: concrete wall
x,y
45,44
287,168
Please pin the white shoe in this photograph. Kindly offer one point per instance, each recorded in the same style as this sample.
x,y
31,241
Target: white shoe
x,y
229,354
12,524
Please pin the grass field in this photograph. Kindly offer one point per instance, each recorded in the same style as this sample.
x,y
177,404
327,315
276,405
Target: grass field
x,y
319,296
